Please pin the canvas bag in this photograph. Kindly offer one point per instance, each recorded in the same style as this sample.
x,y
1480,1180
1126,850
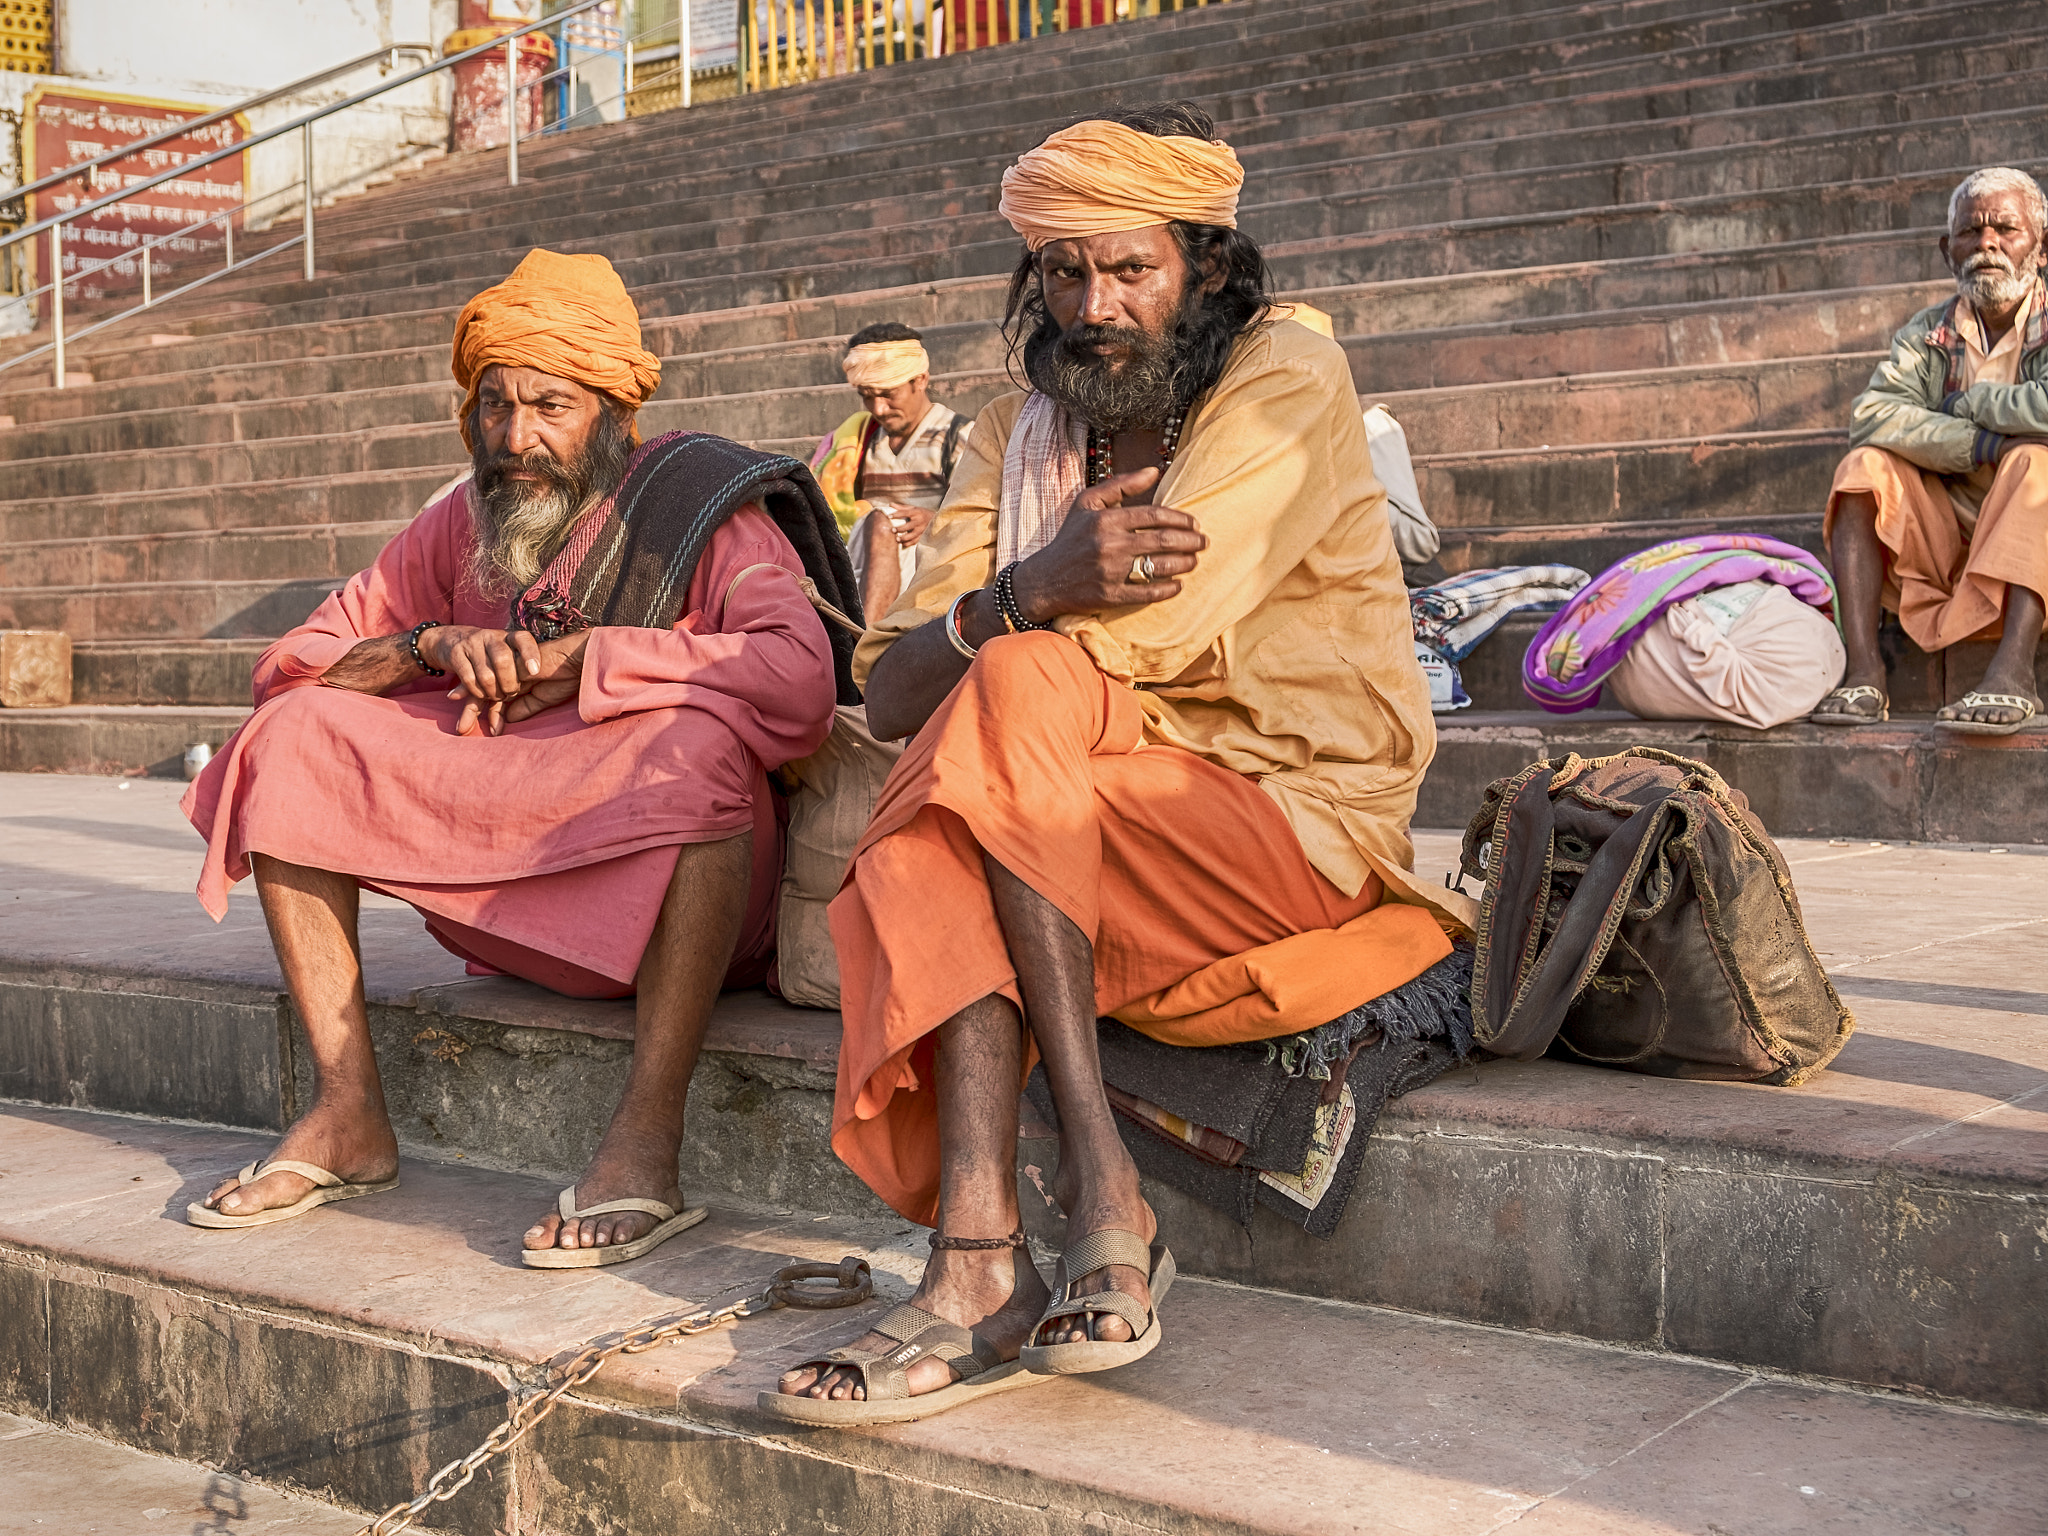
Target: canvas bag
x,y
832,795
1638,913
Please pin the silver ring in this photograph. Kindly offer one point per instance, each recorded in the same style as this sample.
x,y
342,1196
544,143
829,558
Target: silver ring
x,y
1143,573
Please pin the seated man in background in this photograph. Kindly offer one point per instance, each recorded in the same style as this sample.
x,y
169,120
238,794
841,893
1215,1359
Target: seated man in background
x,y
1166,710
544,718
1940,511
895,455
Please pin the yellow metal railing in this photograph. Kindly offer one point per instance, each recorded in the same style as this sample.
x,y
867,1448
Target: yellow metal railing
x,y
786,42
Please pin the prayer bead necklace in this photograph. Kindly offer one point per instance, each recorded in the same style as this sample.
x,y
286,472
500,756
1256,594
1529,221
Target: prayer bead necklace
x,y
1102,448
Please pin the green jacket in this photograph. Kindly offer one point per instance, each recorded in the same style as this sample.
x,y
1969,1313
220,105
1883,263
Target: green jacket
x,y
1914,407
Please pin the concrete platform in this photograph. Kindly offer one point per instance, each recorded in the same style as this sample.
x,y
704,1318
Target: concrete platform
x,y
60,1481
1887,1224
351,1353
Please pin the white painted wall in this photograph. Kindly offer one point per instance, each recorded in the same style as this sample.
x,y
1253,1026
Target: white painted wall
x,y
214,52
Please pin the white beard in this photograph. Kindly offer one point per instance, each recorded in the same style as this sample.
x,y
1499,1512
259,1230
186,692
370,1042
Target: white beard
x,y
1992,287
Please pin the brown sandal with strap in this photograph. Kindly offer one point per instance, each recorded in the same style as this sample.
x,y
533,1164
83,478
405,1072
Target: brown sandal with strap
x,y
885,1374
1100,1250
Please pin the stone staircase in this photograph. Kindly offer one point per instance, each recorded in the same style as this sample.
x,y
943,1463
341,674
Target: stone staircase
x,y
1619,270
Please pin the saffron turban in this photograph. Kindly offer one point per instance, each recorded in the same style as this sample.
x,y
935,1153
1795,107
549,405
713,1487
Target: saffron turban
x,y
1101,178
565,315
885,364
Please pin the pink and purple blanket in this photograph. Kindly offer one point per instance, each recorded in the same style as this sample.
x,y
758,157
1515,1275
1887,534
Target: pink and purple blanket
x,y
1573,653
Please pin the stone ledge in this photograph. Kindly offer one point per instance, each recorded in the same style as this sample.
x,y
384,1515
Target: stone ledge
x,y
410,1312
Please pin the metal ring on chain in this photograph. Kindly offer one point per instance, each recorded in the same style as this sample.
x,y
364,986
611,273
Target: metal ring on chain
x,y
852,1284
1143,574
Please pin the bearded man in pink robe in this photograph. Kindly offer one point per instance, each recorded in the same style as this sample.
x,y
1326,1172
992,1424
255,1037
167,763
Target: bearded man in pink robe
x,y
545,718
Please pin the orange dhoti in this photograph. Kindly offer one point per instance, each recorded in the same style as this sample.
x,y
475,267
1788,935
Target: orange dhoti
x,y
1947,583
1209,923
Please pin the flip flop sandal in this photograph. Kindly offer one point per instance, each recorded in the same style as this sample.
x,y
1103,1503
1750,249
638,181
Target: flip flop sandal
x,y
885,1374
1991,701
327,1188
1096,1251
1834,707
671,1222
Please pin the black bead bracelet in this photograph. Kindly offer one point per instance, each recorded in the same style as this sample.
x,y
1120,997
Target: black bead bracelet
x,y
412,644
1006,601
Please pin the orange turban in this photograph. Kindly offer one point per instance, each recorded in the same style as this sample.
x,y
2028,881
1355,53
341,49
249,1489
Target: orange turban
x,y
1101,178
885,364
565,315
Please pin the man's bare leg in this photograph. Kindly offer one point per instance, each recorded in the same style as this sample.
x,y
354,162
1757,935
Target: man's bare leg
x,y
1857,555
687,957
1097,1185
995,1292
884,566
2012,664
312,919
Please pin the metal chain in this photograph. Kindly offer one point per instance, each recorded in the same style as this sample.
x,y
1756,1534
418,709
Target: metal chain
x,y
852,1285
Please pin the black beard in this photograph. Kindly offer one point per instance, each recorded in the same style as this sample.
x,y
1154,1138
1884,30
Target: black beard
x,y
1134,388
521,525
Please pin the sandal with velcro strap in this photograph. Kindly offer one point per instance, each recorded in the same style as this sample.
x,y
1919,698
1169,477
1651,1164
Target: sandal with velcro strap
x,y
1099,1250
884,1374
328,1187
2026,706
1838,707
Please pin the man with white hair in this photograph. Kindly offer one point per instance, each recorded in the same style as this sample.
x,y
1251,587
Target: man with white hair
x,y
885,469
1940,511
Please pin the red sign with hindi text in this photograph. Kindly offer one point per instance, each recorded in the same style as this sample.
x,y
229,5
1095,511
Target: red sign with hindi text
x,y
64,127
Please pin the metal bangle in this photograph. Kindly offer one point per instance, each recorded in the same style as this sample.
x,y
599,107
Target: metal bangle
x,y
412,644
953,628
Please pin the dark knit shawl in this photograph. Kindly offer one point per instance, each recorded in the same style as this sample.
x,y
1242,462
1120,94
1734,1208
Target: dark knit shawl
x,y
682,488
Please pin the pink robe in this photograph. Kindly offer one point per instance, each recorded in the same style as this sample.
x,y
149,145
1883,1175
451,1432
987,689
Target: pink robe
x,y
545,852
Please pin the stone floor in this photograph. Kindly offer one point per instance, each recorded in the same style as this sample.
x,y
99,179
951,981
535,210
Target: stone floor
x,y
62,1484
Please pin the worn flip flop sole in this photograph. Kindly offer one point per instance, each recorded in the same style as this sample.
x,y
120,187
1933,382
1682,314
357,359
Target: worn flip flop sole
x,y
202,1216
1820,719
615,1253
901,1410
1100,1354
1986,727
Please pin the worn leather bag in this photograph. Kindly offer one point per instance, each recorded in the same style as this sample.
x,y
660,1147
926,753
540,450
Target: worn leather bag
x,y
1636,914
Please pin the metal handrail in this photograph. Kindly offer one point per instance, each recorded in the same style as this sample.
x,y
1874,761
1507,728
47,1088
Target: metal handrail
x,y
503,42
192,125
507,42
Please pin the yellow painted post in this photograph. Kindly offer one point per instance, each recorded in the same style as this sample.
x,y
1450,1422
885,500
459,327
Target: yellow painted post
x,y
1016,20
868,28
774,62
811,41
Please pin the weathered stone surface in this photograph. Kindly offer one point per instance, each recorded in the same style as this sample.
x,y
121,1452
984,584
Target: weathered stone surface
x,y
35,668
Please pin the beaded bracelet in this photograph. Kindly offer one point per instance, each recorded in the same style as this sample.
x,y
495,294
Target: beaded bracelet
x,y
953,632
412,644
1006,601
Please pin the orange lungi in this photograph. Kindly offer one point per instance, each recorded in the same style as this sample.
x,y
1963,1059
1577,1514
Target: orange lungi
x,y
1947,585
1169,864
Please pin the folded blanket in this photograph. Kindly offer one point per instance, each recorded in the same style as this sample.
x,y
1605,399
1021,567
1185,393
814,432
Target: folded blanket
x,y
1572,655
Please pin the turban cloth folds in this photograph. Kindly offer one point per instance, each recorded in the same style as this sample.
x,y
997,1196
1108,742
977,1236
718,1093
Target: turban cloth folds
x,y
565,315
885,364
1101,178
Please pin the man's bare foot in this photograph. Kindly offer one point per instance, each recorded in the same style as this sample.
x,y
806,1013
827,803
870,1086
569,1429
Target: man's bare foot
x,y
354,1142
997,1293
611,1176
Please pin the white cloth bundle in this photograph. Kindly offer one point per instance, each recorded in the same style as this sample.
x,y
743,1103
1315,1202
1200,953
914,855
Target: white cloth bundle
x,y
1750,654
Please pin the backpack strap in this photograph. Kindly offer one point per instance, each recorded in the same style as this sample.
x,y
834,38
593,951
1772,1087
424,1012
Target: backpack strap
x,y
949,451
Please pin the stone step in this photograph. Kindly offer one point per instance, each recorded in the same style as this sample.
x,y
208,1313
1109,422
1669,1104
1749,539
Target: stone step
x,y
1585,168
421,1327
163,672
1781,1230
1718,398
60,1480
1454,73
126,741
930,242
368,496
